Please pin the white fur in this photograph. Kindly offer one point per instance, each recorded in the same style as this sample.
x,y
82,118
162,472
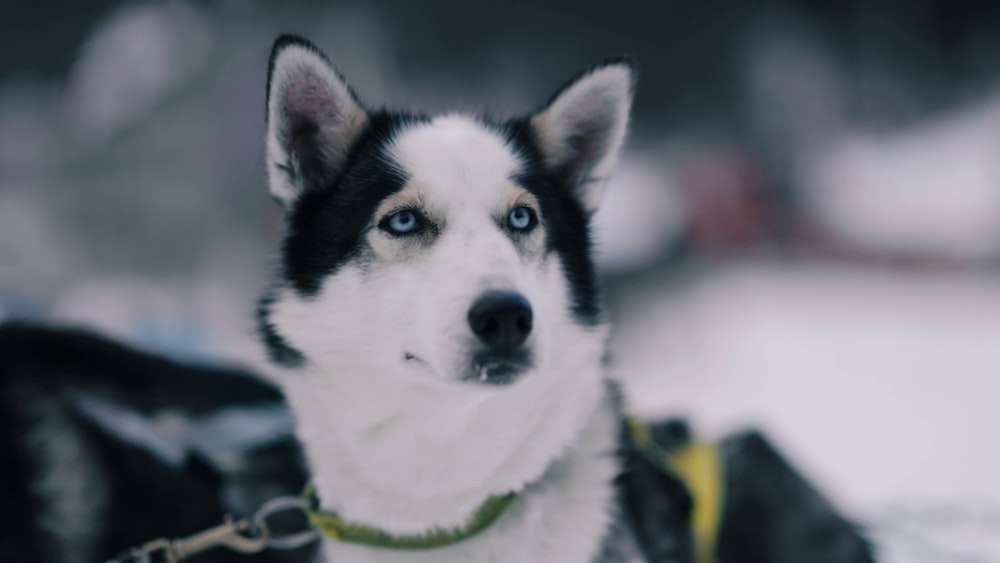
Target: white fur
x,y
562,517
392,437
595,105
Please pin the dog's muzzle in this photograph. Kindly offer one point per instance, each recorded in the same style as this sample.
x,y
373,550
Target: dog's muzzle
x,y
502,322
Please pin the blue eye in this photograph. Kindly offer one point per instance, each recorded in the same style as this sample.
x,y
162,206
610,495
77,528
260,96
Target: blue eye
x,y
405,222
521,218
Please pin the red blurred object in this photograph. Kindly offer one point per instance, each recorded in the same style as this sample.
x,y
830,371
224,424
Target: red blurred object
x,y
727,204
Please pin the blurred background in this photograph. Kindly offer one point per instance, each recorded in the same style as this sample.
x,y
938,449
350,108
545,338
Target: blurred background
x,y
803,236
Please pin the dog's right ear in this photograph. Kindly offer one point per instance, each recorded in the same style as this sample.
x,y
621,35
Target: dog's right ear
x,y
313,118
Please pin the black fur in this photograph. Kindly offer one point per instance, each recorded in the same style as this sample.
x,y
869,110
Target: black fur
x,y
278,349
567,224
325,227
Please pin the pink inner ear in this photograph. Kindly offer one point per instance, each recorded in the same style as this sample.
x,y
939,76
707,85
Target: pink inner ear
x,y
306,94
309,112
587,134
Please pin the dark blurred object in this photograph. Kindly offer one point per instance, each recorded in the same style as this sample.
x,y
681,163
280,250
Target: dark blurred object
x,y
729,205
772,514
108,448
42,39
769,513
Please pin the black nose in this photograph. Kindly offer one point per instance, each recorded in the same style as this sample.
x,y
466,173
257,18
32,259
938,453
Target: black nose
x,y
502,320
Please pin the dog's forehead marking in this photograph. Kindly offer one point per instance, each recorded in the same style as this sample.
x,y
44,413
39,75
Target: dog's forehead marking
x,y
456,157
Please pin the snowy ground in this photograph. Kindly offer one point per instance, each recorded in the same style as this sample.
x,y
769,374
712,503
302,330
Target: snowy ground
x,y
882,387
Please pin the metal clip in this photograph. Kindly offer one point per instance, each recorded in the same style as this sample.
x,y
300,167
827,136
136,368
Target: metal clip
x,y
230,534
244,536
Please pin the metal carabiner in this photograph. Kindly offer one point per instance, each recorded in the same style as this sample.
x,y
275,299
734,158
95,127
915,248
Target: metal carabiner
x,y
244,536
230,534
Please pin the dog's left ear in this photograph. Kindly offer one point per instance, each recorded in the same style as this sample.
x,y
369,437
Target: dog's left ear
x,y
582,130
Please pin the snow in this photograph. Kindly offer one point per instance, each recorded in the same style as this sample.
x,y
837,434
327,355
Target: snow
x,y
929,188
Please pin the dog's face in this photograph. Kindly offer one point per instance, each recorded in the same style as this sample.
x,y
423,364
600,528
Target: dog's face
x,y
449,248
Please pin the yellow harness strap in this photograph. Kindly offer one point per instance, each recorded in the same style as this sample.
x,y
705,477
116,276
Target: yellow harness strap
x,y
699,466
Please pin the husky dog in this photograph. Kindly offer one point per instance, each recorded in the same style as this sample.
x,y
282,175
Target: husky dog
x,y
436,320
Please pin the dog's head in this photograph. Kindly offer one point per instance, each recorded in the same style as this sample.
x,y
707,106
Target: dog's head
x,y
447,248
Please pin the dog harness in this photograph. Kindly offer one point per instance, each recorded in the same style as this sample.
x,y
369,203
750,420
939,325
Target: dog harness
x,y
699,466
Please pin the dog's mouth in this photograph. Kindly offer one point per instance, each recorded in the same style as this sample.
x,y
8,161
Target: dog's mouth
x,y
494,374
493,369
488,369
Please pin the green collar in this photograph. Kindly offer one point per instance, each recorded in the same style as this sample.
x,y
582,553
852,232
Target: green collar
x,y
336,528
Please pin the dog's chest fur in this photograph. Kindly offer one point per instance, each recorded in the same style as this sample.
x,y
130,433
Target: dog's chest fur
x,y
564,515
562,518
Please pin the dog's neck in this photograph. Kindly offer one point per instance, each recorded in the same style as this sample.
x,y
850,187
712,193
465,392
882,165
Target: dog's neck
x,y
407,455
